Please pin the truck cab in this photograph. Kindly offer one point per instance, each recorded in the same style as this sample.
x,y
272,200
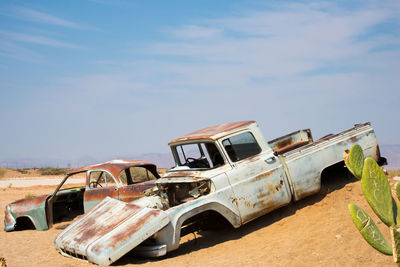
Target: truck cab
x,y
236,157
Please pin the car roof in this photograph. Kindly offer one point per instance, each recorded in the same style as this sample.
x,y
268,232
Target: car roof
x,y
213,132
117,165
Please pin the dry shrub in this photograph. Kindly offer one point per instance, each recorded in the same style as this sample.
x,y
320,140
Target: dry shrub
x,y
2,172
393,173
23,171
52,171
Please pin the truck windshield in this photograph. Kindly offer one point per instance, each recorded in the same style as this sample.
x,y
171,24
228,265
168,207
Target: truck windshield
x,y
204,155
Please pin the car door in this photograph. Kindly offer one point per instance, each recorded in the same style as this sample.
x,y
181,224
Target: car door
x,y
257,178
101,184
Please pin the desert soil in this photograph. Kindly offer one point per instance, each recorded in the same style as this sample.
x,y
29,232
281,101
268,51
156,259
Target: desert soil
x,y
316,231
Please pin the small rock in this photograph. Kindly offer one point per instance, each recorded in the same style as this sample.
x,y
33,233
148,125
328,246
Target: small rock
x,y
338,236
396,178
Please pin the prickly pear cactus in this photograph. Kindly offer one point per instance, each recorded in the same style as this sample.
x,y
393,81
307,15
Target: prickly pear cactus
x,y
377,192
354,160
376,189
369,230
395,236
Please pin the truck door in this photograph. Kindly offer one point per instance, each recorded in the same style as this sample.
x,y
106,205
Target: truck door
x,y
257,178
101,184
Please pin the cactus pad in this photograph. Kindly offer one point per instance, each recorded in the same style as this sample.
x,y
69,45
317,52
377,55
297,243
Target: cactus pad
x,y
376,189
395,236
369,230
354,160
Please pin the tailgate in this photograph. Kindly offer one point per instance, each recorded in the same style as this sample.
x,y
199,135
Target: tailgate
x,y
109,230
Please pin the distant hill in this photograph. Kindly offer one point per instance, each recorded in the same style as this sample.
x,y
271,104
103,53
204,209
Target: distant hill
x,y
162,160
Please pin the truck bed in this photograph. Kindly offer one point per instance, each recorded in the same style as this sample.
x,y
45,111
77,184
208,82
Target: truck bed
x,y
305,164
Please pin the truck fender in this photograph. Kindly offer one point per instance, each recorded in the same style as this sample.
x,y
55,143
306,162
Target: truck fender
x,y
221,209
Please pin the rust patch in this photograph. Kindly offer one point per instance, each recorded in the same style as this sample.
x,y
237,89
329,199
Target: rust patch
x,y
234,201
210,132
262,175
125,235
118,165
268,205
132,192
180,174
279,186
291,147
354,139
7,218
24,205
100,193
263,194
284,143
90,227
247,204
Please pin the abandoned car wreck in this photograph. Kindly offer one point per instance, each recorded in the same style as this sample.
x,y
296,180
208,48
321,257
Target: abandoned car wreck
x,y
227,171
125,180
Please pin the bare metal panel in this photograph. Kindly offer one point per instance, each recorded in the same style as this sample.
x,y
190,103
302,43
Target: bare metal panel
x,y
109,230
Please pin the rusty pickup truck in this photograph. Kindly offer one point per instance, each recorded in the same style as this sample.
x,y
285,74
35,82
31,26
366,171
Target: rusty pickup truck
x,y
122,179
227,172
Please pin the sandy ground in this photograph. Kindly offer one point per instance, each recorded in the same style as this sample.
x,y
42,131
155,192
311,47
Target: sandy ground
x,y
316,231
36,181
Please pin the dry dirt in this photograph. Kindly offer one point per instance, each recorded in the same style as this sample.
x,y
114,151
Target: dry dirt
x,y
316,231
13,173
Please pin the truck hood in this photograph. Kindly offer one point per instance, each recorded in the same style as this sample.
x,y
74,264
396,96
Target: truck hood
x,y
175,180
109,230
192,175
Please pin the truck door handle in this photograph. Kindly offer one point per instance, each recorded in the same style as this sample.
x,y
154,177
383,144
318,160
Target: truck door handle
x,y
270,159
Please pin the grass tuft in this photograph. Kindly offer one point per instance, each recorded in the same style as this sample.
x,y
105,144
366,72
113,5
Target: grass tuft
x,y
52,171
23,171
393,173
2,172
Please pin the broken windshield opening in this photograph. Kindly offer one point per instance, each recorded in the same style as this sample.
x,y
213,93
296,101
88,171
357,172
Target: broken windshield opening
x,y
203,155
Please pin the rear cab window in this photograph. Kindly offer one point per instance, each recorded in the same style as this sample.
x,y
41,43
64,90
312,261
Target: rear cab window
x,y
241,146
134,175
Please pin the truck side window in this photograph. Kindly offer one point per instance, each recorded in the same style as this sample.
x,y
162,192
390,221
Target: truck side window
x,y
202,155
241,146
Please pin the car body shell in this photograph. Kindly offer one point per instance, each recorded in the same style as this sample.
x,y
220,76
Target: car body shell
x,y
38,210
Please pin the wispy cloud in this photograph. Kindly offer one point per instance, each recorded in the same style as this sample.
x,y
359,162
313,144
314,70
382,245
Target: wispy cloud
x,y
33,15
23,13
277,43
14,51
36,39
195,32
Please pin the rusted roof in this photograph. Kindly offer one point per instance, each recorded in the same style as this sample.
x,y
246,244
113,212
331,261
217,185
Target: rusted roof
x,y
117,165
212,132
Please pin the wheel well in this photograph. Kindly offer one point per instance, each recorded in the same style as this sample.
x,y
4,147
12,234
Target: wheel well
x,y
335,176
24,223
206,220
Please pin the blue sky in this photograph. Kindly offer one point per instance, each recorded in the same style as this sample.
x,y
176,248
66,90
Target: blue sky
x,y
111,78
